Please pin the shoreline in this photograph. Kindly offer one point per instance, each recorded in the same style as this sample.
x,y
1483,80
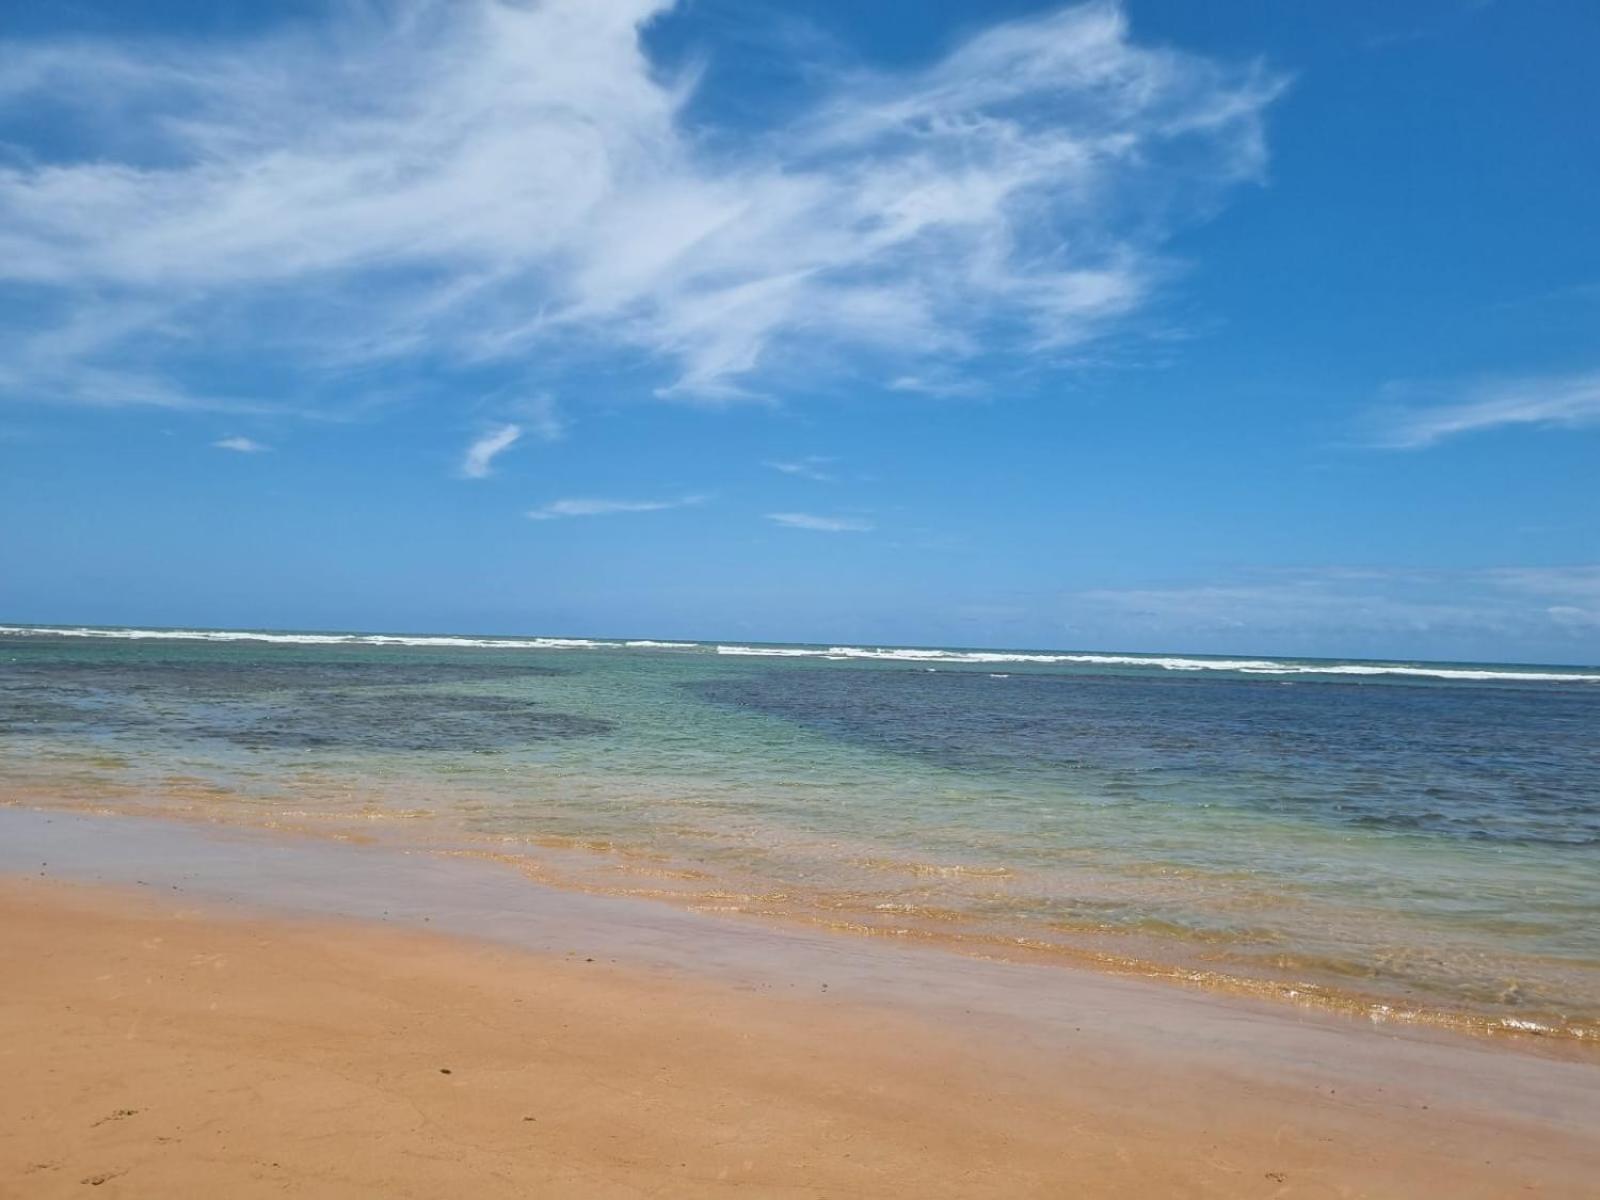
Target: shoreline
x,y
575,865
1041,1077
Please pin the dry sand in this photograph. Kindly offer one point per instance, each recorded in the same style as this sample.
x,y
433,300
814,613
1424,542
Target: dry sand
x,y
153,1048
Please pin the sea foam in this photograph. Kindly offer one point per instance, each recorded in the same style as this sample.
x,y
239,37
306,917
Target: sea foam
x,y
1247,666
303,639
1243,666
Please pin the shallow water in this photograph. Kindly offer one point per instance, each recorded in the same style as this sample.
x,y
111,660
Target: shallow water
x,y
1403,838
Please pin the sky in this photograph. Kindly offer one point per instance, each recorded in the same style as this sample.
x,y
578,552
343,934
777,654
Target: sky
x,y
1256,328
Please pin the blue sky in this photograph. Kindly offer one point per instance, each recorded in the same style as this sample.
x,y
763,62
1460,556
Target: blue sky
x,y
1257,327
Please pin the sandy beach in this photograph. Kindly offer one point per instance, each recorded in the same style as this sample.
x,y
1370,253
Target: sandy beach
x,y
677,599
169,1034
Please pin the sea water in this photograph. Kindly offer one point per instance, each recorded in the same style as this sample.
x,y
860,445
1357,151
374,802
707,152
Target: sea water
x,y
1410,840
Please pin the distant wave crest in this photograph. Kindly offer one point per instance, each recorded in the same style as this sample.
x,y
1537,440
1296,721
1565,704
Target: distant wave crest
x,y
1243,666
304,639
1246,666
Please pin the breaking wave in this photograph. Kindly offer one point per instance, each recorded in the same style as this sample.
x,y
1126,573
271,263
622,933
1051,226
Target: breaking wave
x,y
303,639
1245,666
1311,669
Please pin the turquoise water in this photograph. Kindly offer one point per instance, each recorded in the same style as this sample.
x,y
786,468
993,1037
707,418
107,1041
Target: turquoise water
x,y
1408,839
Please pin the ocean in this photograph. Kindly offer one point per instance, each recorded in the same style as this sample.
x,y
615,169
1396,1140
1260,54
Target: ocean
x,y
1414,842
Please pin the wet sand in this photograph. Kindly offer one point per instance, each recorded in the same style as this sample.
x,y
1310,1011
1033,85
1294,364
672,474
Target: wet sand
x,y
189,1014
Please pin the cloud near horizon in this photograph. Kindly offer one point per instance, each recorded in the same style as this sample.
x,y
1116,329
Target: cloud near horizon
x,y
1558,604
558,509
478,184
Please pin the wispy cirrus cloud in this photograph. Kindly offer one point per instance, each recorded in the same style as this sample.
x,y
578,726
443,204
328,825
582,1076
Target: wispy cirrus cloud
x,y
1542,605
536,416
821,524
591,507
1580,583
473,184
812,467
1552,402
540,417
241,445
1569,596
479,458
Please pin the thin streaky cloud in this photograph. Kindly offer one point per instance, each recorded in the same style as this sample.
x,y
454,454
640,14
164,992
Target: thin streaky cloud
x,y
480,456
1549,402
810,467
1417,601
593,507
821,524
241,445
945,385
540,417
1572,583
471,183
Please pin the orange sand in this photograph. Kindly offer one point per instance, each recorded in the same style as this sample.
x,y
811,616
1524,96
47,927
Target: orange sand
x,y
156,1050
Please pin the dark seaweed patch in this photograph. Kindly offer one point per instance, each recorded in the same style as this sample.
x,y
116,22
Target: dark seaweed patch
x,y
406,721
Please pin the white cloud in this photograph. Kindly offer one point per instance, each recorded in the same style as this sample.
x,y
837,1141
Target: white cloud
x,y
810,467
481,454
1571,583
1509,603
800,520
1571,595
601,508
944,384
1560,401
540,416
483,183
242,445
1576,618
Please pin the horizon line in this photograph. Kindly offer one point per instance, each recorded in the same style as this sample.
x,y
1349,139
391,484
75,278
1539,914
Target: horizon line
x,y
175,632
